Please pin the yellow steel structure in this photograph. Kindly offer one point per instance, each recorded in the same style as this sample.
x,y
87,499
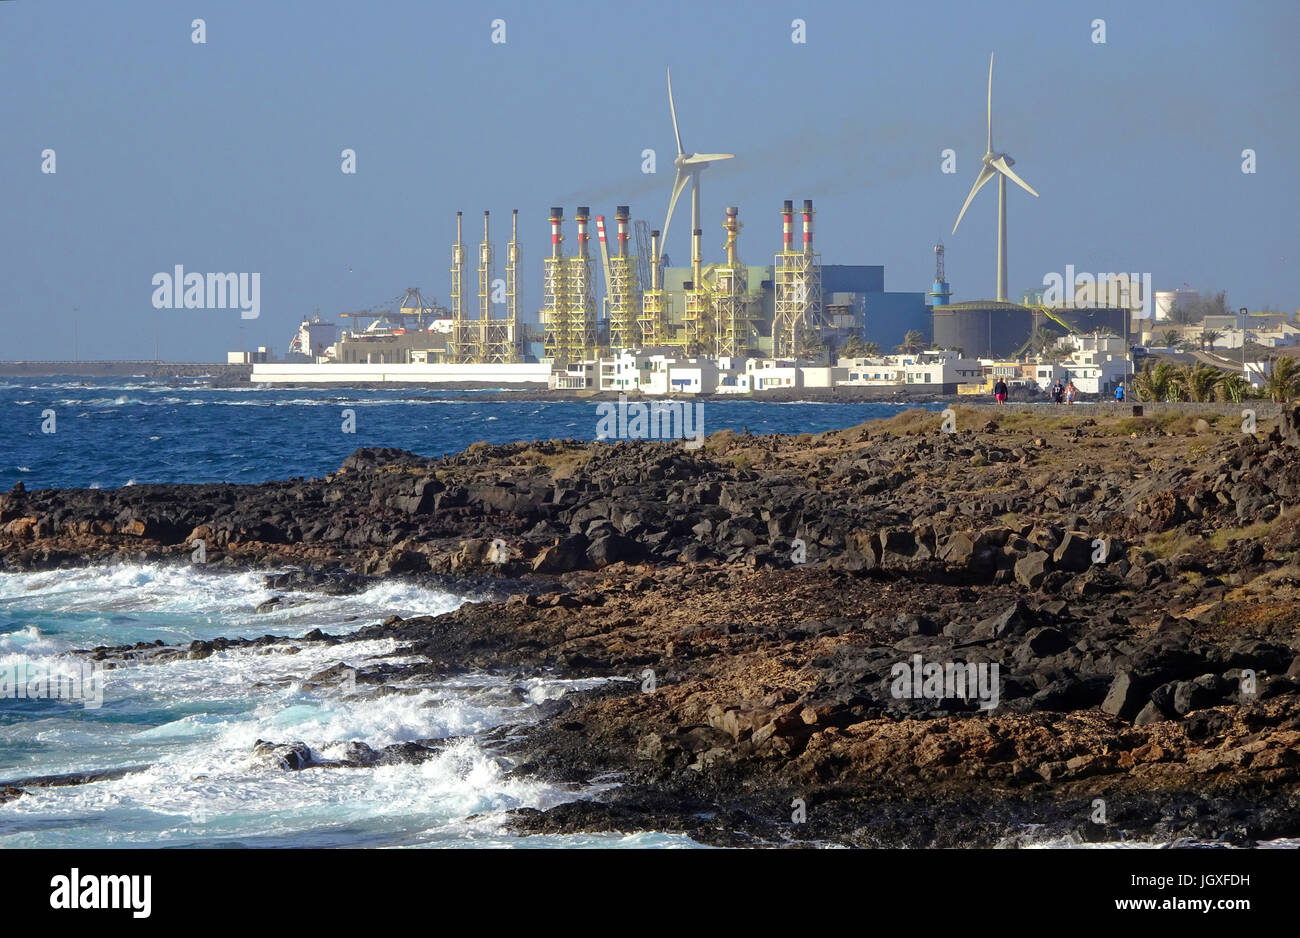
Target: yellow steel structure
x,y
698,328
494,340
798,285
505,344
555,294
734,310
580,306
478,354
651,323
460,348
623,289
570,312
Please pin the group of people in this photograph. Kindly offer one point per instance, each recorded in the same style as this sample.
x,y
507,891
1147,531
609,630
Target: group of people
x,y
1060,393
1063,393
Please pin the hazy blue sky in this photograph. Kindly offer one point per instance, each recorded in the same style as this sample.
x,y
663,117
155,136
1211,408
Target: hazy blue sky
x,y
226,156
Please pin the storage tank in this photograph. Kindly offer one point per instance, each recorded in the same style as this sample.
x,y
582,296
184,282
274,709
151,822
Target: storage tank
x,y
987,329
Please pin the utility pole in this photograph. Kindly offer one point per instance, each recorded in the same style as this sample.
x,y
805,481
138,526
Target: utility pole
x,y
1243,344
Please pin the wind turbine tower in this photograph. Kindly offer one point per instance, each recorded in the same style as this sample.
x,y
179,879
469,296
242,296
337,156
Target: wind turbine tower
x,y
689,166
999,165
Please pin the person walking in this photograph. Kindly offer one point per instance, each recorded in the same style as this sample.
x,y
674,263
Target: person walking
x,y
1119,393
1071,392
1058,392
1000,391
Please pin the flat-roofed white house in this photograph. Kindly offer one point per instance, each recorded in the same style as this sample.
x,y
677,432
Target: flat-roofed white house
x,y
769,374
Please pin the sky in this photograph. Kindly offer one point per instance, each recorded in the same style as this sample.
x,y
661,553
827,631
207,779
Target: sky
x,y
225,156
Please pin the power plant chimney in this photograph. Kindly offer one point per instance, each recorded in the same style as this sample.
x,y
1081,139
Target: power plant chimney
x,y
557,218
622,215
582,214
787,226
807,226
461,346
696,237
732,226
654,259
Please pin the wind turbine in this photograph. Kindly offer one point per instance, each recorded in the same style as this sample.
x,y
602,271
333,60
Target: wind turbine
x,y
996,164
688,166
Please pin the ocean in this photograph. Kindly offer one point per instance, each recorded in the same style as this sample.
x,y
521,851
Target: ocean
x,y
186,728
114,432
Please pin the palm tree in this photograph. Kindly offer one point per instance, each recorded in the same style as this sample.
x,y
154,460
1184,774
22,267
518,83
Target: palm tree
x,y
808,345
852,347
1157,382
1232,387
870,349
913,342
1209,337
1043,339
1283,380
1197,381
1170,338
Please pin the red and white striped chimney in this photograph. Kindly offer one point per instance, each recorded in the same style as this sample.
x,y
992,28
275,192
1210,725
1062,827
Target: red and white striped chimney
x,y
787,226
807,226
600,228
582,214
557,217
622,214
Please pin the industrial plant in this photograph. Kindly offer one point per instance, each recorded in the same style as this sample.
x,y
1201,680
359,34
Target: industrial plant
x,y
726,325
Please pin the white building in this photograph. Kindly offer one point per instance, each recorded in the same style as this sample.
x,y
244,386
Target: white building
x,y
1047,373
769,374
941,367
1100,342
822,376
656,373
1097,372
873,372
576,376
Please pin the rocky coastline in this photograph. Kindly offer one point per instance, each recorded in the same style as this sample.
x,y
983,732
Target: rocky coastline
x,y
1136,581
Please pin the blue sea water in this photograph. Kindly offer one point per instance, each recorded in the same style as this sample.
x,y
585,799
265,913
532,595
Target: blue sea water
x,y
113,432
188,727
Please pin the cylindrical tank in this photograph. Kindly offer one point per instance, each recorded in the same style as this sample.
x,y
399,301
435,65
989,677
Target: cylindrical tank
x,y
994,331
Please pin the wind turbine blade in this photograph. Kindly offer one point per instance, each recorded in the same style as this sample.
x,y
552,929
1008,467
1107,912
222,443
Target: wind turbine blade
x,y
708,157
673,109
990,111
678,185
985,175
1004,169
